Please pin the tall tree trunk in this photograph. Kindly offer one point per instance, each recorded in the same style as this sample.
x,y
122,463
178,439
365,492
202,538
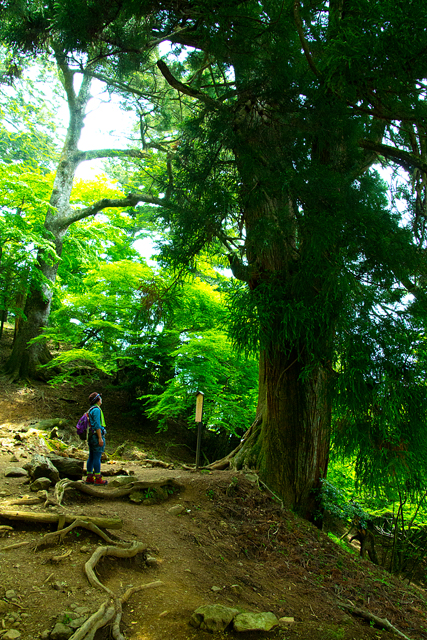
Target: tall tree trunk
x,y
25,359
290,444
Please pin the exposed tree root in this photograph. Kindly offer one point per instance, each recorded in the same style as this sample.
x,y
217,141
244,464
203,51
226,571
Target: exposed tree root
x,y
56,559
61,533
34,500
100,618
106,612
118,552
112,608
159,463
51,518
230,459
119,602
367,615
4,529
111,494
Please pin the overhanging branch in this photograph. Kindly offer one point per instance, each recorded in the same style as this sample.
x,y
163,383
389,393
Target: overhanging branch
x,y
83,156
185,88
110,203
403,158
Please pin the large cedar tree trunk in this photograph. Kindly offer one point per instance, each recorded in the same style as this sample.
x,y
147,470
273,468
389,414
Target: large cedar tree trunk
x,y
289,442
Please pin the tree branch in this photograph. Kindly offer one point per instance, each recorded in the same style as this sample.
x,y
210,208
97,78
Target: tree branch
x,y
403,158
300,29
106,203
185,88
83,156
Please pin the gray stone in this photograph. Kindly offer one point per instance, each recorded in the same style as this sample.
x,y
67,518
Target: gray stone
x,y
41,484
151,562
77,623
10,594
176,510
71,468
15,472
45,634
121,481
81,610
14,459
59,586
61,632
137,496
12,634
42,467
255,621
213,617
216,589
236,588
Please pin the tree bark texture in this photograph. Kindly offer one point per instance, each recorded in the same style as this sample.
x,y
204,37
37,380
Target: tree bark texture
x,y
290,447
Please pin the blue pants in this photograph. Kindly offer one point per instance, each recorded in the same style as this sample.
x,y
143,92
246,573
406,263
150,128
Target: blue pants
x,y
93,464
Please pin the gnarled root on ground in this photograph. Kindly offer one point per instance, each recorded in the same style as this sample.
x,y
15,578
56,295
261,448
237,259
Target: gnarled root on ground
x,y
111,494
61,533
118,552
111,609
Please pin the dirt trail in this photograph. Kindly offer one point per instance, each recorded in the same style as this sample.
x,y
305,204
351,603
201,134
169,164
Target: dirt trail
x,y
231,545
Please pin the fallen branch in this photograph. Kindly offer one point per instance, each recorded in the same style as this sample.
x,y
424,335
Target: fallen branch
x,y
56,559
15,546
52,518
118,552
367,615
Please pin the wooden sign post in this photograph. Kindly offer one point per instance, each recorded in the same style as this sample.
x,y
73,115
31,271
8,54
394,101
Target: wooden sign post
x,y
199,417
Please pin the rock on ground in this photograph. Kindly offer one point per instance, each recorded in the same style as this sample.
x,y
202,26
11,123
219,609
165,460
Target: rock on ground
x,y
213,617
255,621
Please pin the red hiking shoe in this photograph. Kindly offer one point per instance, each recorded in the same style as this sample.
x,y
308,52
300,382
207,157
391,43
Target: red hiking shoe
x,y
99,480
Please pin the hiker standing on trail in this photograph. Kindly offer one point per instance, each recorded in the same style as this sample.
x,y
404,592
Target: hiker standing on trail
x,y
96,440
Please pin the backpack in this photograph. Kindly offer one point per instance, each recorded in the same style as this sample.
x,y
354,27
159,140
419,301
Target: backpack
x,y
82,426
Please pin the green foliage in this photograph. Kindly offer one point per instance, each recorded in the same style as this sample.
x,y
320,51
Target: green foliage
x,y
206,361
341,543
24,195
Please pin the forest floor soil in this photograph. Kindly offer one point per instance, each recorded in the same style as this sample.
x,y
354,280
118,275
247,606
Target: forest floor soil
x,y
233,544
